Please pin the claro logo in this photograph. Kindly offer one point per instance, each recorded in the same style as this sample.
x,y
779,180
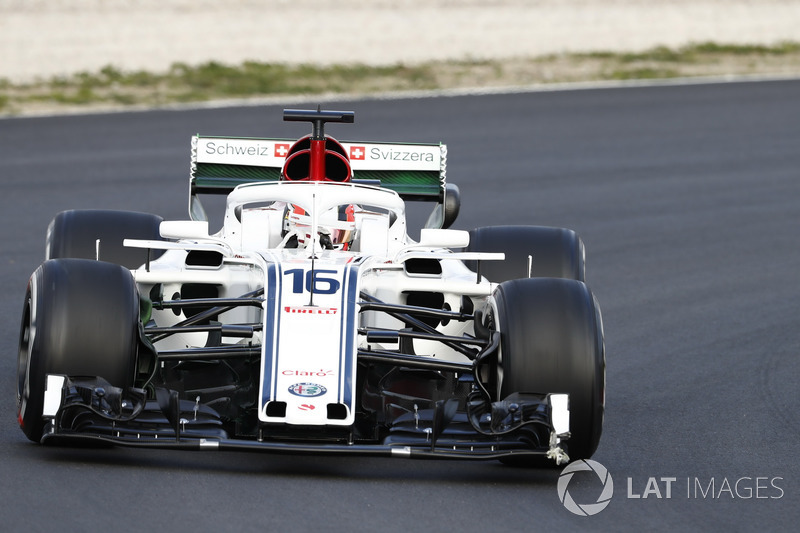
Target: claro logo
x,y
603,482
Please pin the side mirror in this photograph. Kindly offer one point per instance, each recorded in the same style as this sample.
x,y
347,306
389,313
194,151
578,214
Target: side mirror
x,y
184,229
443,238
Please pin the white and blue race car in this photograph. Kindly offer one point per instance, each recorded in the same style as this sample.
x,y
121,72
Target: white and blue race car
x,y
312,322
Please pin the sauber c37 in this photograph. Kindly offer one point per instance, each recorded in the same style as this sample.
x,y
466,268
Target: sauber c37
x,y
312,322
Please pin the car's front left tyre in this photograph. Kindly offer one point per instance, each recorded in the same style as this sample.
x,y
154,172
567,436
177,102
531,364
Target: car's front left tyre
x,y
80,318
552,342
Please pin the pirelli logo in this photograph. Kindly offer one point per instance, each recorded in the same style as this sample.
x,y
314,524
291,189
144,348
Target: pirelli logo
x,y
311,310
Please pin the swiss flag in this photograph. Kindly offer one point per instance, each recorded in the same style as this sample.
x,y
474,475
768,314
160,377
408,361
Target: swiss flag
x,y
358,153
282,150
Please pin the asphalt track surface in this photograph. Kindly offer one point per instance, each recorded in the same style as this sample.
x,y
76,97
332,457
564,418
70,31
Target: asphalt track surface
x,y
688,200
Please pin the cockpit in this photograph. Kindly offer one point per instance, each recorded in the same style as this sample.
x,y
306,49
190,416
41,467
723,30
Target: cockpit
x,y
344,216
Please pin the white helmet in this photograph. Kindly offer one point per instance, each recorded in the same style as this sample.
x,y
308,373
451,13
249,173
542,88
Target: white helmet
x,y
336,227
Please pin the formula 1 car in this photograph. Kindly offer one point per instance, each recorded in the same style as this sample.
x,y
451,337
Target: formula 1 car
x,y
311,322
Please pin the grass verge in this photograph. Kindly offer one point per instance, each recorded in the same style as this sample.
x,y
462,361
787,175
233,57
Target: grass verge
x,y
114,88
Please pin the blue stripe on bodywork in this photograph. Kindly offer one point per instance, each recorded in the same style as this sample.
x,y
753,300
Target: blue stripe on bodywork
x,y
343,370
270,333
348,336
276,350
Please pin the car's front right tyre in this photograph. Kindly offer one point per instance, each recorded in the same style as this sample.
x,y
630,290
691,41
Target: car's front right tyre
x,y
80,318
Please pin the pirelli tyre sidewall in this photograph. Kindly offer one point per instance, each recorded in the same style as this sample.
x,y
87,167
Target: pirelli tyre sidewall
x,y
80,318
554,252
552,342
75,234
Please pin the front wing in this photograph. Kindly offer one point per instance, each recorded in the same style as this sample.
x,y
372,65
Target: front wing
x,y
90,411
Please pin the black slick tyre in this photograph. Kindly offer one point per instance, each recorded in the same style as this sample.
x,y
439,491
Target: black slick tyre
x,y
75,234
554,252
552,342
80,318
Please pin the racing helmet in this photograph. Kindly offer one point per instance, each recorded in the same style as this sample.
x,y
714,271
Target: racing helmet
x,y
336,227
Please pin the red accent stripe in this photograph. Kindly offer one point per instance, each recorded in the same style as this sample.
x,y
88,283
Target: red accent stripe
x,y
317,161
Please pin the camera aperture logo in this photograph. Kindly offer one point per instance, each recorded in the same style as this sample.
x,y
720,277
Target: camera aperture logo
x,y
603,480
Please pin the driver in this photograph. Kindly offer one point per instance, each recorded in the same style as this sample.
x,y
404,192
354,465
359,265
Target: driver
x,y
336,227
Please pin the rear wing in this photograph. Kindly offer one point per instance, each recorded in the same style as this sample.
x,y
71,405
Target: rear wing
x,y
414,171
